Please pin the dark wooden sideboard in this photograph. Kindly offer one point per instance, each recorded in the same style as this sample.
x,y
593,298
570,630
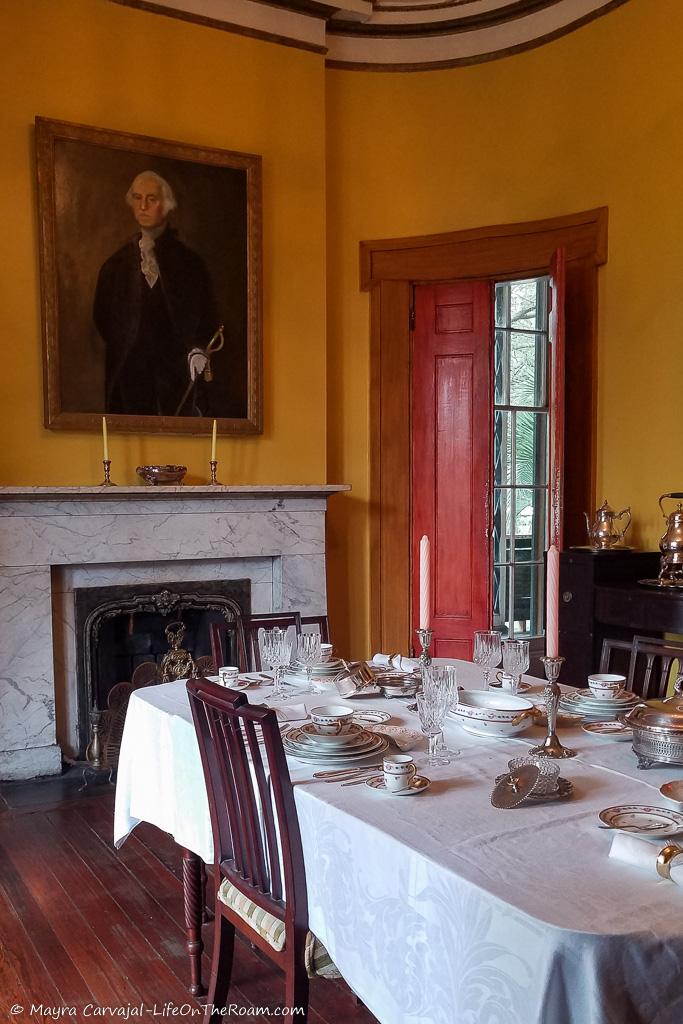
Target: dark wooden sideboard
x,y
600,597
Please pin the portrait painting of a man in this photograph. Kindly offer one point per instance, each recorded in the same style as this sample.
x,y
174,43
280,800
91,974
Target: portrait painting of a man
x,y
149,259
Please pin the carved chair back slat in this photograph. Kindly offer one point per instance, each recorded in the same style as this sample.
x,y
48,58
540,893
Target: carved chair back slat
x,y
257,844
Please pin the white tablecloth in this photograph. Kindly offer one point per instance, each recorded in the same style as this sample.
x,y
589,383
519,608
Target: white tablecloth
x,y
439,908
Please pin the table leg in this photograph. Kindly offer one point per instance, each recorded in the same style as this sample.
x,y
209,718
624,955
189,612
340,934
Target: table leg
x,y
192,895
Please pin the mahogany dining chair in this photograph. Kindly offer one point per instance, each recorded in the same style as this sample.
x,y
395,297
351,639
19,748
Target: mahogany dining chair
x,y
259,870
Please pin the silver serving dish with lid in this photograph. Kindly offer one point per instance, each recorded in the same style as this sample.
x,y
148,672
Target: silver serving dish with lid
x,y
657,730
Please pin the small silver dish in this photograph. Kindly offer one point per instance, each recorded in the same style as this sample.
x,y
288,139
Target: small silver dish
x,y
162,474
398,685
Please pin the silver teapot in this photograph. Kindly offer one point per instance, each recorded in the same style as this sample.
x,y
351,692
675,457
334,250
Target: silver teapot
x,y
671,544
603,533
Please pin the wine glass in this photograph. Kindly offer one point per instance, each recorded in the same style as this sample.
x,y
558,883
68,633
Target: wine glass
x,y
515,660
309,654
443,677
276,650
487,651
432,706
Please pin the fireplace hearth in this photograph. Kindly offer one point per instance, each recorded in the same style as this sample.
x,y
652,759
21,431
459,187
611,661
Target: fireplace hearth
x,y
122,627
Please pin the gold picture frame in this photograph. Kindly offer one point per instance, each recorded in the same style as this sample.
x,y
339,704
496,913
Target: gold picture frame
x,y
129,309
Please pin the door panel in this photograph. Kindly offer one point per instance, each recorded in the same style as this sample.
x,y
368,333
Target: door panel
x,y
453,505
451,413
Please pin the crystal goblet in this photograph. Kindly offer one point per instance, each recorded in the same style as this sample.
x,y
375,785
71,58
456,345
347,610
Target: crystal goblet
x,y
276,650
515,660
431,710
487,651
309,654
443,678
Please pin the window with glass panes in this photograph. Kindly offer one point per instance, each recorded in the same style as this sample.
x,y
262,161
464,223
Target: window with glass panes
x,y
520,456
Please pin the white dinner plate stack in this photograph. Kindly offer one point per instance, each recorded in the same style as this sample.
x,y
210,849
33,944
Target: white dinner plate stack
x,y
307,744
583,702
322,673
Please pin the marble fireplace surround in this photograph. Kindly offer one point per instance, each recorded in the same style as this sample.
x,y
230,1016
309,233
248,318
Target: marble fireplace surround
x,y
54,540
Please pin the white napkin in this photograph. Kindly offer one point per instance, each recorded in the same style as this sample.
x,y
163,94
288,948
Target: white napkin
x,y
404,739
291,713
642,853
397,661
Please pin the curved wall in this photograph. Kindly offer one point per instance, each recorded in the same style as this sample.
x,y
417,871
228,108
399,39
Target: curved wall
x,y
592,119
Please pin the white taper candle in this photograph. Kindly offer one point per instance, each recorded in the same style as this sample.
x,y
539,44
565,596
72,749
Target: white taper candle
x,y
105,440
552,604
213,442
425,584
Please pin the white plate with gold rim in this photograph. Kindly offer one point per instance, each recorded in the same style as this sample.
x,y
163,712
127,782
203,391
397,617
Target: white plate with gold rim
x,y
643,820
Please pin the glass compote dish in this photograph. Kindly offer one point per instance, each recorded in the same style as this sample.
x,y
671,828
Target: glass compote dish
x,y
487,651
276,651
309,653
443,678
515,660
432,706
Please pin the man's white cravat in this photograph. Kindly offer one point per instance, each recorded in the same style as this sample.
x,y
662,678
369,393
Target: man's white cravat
x,y
148,259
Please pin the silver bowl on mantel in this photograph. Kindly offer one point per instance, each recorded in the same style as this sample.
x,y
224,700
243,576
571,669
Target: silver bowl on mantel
x,y
657,730
162,474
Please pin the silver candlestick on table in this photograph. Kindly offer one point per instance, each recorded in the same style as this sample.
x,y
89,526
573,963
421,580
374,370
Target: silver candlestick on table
x,y
551,746
425,638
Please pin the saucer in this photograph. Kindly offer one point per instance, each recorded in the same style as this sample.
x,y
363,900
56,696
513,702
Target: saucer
x,y
418,784
371,717
236,684
523,687
608,730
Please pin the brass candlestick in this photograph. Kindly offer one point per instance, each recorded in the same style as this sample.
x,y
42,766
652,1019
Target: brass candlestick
x,y
214,463
551,746
425,638
107,482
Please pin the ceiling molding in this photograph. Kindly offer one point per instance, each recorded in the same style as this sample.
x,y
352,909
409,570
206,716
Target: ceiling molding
x,y
392,35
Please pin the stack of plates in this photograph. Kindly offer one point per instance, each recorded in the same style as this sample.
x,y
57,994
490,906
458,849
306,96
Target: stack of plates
x,y
308,745
325,671
582,702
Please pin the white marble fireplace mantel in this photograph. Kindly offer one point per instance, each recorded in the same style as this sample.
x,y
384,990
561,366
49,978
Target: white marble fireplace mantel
x,y
54,539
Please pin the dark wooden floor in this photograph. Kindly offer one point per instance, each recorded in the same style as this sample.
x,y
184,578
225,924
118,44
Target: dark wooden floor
x,y
83,924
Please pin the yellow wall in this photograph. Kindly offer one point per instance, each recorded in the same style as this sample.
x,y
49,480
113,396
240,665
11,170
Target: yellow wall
x,y
592,119
98,63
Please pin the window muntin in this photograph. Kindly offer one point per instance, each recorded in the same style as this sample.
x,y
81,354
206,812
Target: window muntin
x,y
520,456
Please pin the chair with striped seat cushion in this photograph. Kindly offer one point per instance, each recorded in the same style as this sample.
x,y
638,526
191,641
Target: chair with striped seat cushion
x,y
319,963
259,875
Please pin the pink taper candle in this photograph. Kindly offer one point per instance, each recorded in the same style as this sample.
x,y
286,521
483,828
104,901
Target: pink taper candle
x,y
552,599
425,584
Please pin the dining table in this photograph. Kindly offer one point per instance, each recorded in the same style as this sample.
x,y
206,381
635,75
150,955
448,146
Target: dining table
x,y
440,908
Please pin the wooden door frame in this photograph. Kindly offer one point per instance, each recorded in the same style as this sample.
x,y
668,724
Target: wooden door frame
x,y
388,269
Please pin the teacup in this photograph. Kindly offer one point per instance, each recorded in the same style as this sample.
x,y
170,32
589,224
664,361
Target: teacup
x,y
606,684
399,772
227,675
331,719
507,682
325,652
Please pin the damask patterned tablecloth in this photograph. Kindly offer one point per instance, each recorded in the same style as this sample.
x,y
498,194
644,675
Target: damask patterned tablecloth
x,y
439,908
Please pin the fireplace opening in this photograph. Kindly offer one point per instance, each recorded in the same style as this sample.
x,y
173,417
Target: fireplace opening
x,y
120,628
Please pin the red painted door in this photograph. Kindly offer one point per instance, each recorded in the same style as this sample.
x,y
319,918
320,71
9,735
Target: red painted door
x,y
451,455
